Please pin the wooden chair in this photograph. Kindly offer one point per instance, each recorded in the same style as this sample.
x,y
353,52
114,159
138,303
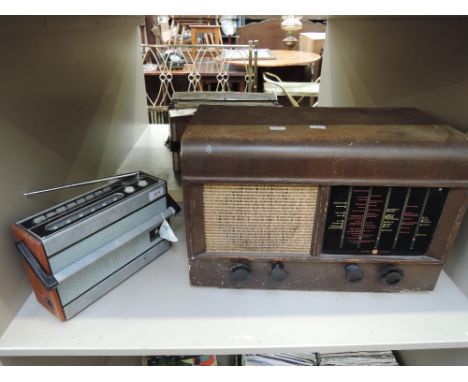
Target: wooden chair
x,y
212,33
291,89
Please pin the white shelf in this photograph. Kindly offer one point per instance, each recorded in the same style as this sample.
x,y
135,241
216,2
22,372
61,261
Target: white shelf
x,y
156,311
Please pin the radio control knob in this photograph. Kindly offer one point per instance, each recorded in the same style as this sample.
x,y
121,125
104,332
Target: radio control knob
x,y
129,189
39,219
354,273
240,272
278,273
391,275
61,209
142,183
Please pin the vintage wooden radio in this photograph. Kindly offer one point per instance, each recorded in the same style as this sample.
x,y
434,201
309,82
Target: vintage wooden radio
x,y
322,198
184,105
77,251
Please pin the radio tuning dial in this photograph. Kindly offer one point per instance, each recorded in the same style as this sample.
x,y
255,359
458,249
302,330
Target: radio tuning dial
x,y
278,273
240,272
391,275
353,273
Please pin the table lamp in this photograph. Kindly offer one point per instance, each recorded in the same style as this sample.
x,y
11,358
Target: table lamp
x,y
291,24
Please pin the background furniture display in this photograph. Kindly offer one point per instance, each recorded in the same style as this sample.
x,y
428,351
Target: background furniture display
x,y
294,65
171,29
196,68
291,65
270,35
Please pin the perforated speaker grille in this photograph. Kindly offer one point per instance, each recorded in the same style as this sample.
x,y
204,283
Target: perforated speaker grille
x,y
259,218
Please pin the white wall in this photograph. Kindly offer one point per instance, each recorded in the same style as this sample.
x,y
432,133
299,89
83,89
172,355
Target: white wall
x,y
401,61
72,104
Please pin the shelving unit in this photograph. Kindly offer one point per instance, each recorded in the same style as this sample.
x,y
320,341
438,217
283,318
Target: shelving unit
x,y
157,312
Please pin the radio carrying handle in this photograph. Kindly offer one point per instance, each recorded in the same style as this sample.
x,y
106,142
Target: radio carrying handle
x,y
48,281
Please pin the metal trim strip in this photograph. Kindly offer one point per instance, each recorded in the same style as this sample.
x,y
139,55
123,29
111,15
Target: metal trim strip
x,y
78,231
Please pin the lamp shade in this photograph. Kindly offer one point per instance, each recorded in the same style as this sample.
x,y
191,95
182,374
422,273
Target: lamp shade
x,y
291,23
228,25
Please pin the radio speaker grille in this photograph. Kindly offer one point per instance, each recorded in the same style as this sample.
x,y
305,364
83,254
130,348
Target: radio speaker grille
x,y
259,218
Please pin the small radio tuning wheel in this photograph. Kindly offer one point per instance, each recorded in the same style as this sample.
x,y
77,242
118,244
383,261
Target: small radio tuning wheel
x,y
240,272
278,273
391,275
353,273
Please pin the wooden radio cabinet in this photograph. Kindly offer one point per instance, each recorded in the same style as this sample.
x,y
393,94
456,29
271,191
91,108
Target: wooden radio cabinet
x,y
323,198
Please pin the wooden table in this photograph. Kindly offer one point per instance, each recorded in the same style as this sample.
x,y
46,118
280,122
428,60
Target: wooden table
x,y
289,65
284,58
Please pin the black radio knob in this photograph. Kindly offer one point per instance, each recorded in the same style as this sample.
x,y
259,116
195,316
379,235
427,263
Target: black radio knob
x,y
391,275
240,272
277,272
353,273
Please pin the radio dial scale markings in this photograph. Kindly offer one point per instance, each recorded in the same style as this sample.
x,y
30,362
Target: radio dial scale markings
x,y
382,220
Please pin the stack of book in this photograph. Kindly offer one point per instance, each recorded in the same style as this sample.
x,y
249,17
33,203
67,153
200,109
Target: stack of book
x,y
365,358
362,358
281,359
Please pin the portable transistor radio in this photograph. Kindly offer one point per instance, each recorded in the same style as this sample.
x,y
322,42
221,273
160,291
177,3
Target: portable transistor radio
x,y
78,250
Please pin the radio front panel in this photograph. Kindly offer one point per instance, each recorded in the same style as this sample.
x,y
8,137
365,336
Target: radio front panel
x,y
305,236
382,220
289,220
